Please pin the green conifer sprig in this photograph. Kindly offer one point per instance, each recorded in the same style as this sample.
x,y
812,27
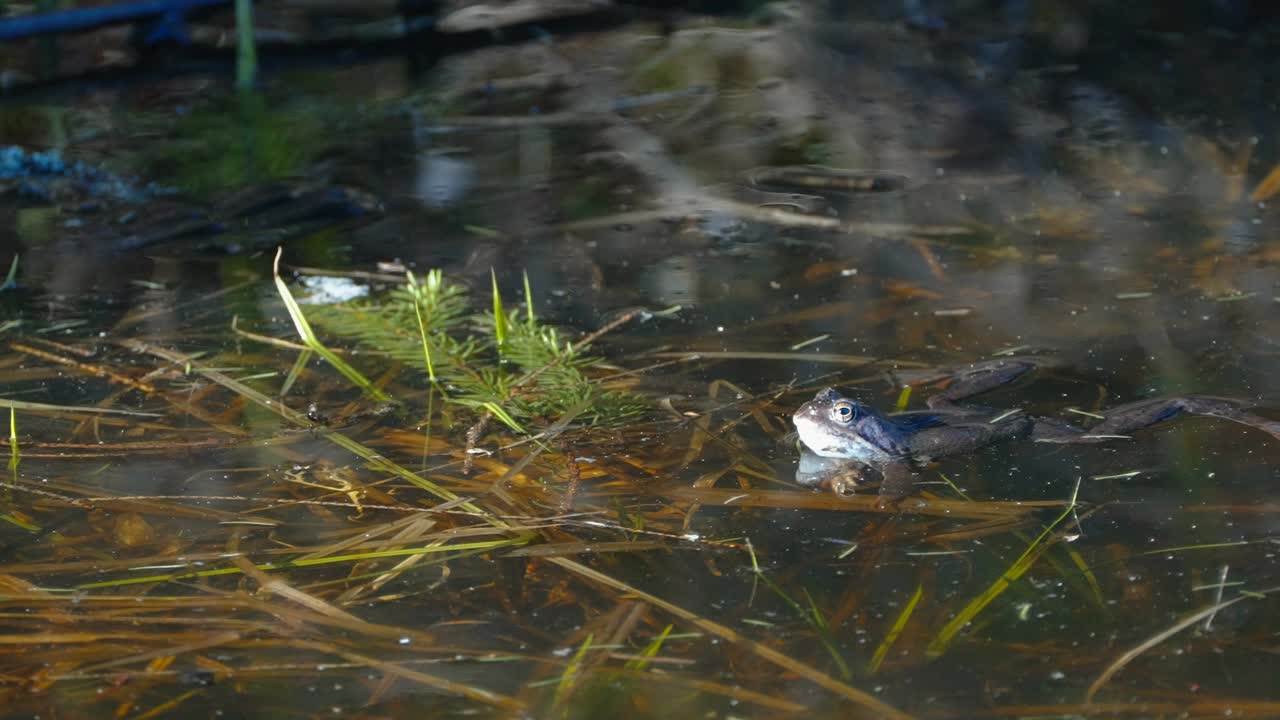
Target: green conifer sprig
x,y
429,323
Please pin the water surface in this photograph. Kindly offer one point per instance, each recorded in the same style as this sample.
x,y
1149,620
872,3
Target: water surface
x,y
1024,185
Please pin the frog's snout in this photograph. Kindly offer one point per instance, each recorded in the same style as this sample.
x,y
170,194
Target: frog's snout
x,y
808,421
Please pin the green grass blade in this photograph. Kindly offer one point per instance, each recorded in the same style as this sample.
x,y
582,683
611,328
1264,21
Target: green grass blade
x,y
295,372
939,644
1088,576
1094,590
20,522
483,545
904,397
883,651
819,621
570,677
309,337
295,313
823,630
651,650
528,300
11,280
416,292
813,617
14,454
496,410
499,316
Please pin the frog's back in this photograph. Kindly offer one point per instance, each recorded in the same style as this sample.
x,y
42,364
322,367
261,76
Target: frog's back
x,y
941,441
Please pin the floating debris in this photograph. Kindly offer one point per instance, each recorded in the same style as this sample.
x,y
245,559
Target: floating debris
x,y
1004,416
492,17
1118,476
326,290
1235,298
810,341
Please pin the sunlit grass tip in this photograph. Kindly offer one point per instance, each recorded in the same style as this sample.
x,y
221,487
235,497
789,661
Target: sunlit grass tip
x,y
312,341
904,398
528,300
499,316
416,291
14,454
11,280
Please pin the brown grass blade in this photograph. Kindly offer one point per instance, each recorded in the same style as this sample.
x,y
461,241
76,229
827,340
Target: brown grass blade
x,y
860,503
456,688
375,459
1132,653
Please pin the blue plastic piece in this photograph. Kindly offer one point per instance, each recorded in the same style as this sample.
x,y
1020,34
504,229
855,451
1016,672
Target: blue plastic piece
x,y
168,11
169,27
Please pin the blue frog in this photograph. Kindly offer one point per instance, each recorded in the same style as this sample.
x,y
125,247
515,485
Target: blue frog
x,y
844,438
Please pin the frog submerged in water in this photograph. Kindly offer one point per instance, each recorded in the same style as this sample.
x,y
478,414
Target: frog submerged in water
x,y
843,437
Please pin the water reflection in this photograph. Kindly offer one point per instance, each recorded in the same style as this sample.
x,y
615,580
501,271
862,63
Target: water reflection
x,y
443,180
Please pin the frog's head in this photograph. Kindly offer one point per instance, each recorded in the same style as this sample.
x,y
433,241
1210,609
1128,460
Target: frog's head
x,y
832,425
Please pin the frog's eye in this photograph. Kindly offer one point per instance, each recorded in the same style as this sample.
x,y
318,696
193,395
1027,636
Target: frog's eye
x,y
844,411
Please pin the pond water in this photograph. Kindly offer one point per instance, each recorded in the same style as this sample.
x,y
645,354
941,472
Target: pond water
x,y
728,213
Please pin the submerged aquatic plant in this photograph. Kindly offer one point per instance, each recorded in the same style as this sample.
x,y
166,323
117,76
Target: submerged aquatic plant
x,y
237,141
506,362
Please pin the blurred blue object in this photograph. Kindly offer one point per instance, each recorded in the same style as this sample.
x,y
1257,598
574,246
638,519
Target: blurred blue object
x,y
167,14
37,173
